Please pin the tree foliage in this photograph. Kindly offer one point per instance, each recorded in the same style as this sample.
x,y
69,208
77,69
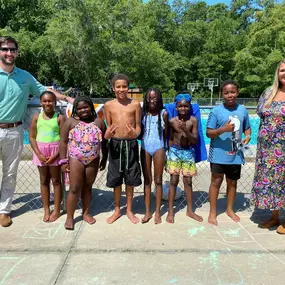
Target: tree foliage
x,y
157,42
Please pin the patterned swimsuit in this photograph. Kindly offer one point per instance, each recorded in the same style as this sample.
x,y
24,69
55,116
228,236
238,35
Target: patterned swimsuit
x,y
85,142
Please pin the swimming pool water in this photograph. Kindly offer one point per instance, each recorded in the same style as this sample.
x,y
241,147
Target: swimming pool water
x,y
254,123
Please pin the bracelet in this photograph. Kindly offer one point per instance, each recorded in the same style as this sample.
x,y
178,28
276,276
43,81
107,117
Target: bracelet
x,y
248,136
63,161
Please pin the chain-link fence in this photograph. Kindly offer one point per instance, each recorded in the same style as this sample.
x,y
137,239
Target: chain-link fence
x,y
27,195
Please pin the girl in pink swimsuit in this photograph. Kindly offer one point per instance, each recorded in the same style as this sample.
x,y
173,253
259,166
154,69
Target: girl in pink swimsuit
x,y
82,138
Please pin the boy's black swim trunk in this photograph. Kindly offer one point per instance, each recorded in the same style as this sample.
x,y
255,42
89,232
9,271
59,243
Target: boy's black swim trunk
x,y
124,166
232,171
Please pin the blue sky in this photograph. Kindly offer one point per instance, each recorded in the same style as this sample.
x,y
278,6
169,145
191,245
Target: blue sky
x,y
212,2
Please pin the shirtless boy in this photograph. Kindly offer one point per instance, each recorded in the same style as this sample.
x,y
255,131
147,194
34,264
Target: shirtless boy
x,y
181,155
123,117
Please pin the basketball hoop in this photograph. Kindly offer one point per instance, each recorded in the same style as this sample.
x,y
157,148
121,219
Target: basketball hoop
x,y
211,83
192,86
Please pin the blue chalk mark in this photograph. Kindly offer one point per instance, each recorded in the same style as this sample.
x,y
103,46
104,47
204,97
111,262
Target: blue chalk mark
x,y
195,231
212,259
232,233
173,280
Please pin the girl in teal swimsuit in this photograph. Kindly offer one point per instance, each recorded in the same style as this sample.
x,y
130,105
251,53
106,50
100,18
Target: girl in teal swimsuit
x,y
154,128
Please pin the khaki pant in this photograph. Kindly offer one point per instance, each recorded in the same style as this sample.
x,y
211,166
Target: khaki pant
x,y
11,147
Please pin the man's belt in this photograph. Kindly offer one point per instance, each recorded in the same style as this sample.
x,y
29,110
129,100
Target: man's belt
x,y
10,125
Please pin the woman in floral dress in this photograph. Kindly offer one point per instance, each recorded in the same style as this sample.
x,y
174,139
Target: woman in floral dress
x,y
268,191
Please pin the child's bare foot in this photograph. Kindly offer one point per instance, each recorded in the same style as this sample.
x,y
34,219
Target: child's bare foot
x,y
269,223
146,218
54,216
157,218
212,219
46,217
194,216
170,218
132,217
89,219
114,217
69,224
233,216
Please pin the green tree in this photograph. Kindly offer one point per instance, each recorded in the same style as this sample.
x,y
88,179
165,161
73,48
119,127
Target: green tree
x,y
265,47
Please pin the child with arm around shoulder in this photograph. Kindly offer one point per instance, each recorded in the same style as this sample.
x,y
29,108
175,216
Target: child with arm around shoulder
x,y
154,132
123,117
44,136
225,125
181,155
82,140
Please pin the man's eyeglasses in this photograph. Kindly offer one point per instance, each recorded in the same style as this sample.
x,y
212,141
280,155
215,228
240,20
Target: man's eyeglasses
x,y
5,49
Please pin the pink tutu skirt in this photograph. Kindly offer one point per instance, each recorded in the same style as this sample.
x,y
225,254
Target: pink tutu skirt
x,y
47,149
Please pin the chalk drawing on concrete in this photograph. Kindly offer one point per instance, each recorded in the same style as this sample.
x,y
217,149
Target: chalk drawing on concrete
x,y
45,231
232,232
173,280
9,259
233,236
218,271
262,247
195,231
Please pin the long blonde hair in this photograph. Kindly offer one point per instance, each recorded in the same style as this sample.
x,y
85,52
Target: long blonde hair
x,y
276,84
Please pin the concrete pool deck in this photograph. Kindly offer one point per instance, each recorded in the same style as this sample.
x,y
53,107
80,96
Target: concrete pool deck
x,y
184,253
187,252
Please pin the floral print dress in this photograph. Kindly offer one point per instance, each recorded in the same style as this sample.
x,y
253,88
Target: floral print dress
x,y
268,189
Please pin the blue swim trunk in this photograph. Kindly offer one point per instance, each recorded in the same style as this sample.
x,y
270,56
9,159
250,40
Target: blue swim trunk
x,y
181,160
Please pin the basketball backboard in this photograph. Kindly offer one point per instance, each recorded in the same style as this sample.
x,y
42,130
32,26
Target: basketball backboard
x,y
192,86
211,82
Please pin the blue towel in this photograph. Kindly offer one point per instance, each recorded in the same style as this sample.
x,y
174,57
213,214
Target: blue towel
x,y
200,147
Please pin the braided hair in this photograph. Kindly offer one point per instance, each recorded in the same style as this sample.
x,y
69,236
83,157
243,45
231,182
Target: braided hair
x,y
86,100
48,93
146,108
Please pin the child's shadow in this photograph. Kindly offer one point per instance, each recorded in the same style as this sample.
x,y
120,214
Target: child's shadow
x,y
103,201
242,203
28,202
198,199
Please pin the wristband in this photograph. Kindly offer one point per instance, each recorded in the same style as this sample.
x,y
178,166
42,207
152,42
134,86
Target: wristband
x,y
63,161
248,136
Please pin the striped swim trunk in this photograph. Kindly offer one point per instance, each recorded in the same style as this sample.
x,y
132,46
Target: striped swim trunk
x,y
181,160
